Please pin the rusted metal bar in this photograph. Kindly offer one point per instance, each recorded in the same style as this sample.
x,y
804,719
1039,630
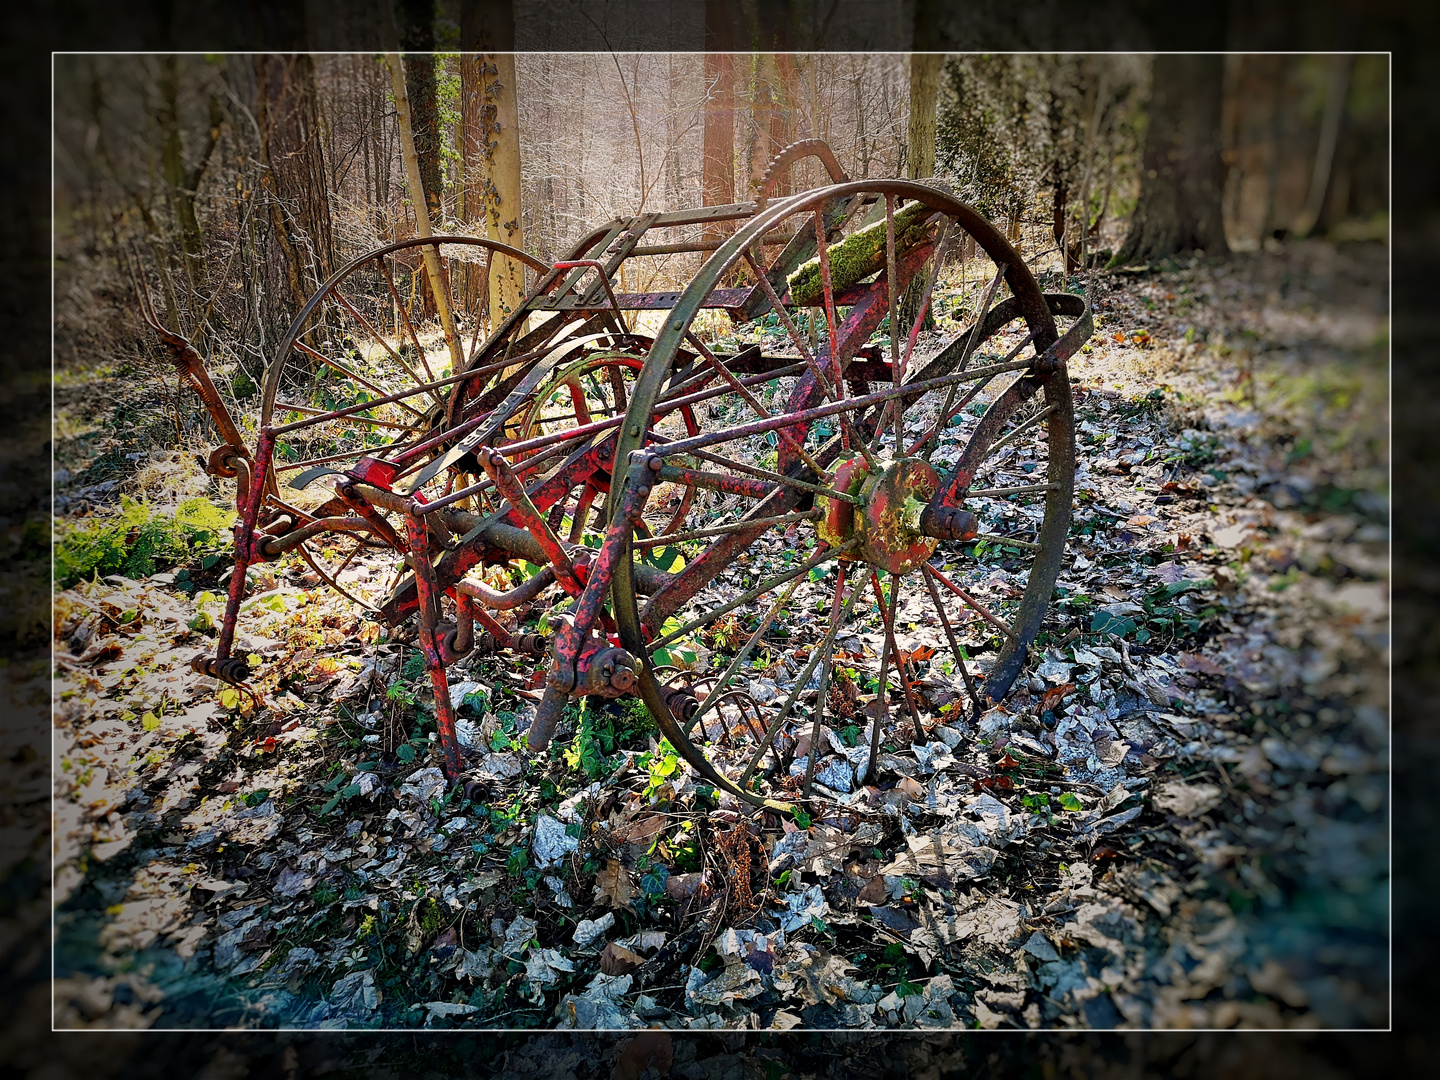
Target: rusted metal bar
x,y
955,650
514,598
429,594
730,485
530,518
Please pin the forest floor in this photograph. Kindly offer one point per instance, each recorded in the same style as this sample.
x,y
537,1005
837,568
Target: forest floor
x,y
1179,821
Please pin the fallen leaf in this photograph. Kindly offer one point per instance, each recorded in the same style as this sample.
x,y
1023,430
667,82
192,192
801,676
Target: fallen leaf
x,y
612,885
616,959
1051,699
992,783
911,788
648,1050
1200,664
874,891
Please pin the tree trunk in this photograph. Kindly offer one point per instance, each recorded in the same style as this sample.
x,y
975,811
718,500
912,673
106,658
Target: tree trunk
x,y
920,163
924,91
416,20
292,170
1183,177
172,164
439,291
718,179
1337,86
492,140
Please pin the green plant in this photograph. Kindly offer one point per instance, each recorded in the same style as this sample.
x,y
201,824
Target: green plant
x,y
660,766
143,539
594,740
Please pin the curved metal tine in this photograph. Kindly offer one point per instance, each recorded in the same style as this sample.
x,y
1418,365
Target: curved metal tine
x,y
980,609
800,681
305,554
410,327
759,410
359,546
328,362
893,645
725,676
955,649
974,338
750,713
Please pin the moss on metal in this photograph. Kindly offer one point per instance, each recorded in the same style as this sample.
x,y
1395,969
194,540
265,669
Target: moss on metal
x,y
858,256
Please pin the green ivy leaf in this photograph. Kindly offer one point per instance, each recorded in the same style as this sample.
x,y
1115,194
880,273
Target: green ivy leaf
x,y
1069,801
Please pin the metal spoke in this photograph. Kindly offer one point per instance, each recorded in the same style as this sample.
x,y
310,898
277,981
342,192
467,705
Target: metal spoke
x,y
804,677
949,412
984,612
889,621
898,407
730,669
814,754
972,341
790,328
751,594
409,326
955,649
834,391
376,335
924,307
722,530
1011,436
356,376
1023,489
822,257
483,314
754,404
1028,545
770,474
349,418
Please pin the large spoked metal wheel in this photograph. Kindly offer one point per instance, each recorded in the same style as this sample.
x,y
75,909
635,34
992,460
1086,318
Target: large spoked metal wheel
x,y
368,367
813,570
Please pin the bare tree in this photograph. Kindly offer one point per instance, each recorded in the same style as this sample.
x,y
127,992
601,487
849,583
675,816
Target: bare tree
x,y
1183,177
492,140
440,293
416,20
292,170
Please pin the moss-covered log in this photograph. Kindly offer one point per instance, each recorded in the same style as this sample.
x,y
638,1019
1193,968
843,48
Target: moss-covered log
x,y
859,255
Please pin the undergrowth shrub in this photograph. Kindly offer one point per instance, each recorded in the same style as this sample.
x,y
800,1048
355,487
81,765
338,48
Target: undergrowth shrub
x,y
143,539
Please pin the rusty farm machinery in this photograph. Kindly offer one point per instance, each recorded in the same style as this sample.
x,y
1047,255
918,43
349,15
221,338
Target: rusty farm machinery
x,y
708,469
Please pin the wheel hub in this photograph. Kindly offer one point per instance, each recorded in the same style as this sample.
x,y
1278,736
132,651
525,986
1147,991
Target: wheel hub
x,y
887,519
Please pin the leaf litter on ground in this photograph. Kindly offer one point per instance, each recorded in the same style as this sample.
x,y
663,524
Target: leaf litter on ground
x,y
1195,756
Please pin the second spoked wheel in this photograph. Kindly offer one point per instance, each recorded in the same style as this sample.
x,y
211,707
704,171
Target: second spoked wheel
x,y
831,618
